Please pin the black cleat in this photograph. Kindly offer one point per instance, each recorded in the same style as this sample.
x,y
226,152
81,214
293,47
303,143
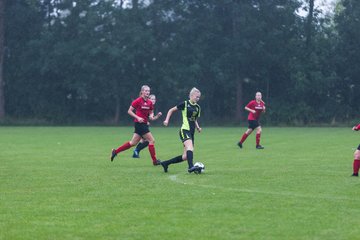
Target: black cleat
x,y
165,166
136,154
259,147
355,175
157,162
239,144
113,155
195,169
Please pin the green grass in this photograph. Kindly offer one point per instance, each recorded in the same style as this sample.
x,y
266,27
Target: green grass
x,y
58,183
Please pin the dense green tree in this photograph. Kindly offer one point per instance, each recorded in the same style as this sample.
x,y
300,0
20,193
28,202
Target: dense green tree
x,y
23,23
72,61
347,55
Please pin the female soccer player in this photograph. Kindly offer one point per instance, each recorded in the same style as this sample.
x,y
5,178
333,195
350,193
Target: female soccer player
x,y
144,110
190,112
255,108
143,143
356,164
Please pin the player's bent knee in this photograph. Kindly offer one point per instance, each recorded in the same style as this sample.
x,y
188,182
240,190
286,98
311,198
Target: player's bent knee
x,y
190,149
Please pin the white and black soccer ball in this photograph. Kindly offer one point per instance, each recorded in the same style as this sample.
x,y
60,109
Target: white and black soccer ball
x,y
200,166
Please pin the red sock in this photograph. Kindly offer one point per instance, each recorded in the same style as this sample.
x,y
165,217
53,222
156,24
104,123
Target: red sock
x,y
244,138
356,166
123,147
258,139
152,152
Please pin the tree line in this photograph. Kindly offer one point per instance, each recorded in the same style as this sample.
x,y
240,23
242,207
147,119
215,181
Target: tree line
x,y
68,61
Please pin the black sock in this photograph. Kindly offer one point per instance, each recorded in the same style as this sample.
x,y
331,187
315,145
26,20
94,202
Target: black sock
x,y
189,156
141,146
174,160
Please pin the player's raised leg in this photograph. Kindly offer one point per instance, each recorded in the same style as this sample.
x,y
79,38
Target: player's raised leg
x,y
177,159
244,137
135,139
188,155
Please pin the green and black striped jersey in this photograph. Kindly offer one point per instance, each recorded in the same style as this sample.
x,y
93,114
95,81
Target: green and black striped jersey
x,y
190,112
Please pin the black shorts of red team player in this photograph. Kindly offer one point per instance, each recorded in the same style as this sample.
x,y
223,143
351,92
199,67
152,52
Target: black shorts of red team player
x,y
141,128
253,124
358,147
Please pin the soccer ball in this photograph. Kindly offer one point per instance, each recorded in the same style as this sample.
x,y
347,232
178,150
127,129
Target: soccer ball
x,y
201,167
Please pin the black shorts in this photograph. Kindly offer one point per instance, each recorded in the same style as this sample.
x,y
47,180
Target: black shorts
x,y
253,124
358,147
186,135
141,128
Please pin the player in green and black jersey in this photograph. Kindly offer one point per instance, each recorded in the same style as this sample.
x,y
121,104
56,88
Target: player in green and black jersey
x,y
190,112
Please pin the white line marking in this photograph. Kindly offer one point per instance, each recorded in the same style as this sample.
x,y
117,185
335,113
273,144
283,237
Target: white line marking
x,y
175,179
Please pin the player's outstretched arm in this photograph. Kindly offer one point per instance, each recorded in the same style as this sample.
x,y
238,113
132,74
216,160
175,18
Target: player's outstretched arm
x,y
168,115
153,118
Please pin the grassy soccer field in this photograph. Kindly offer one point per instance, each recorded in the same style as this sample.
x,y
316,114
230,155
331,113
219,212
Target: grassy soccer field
x,y
58,183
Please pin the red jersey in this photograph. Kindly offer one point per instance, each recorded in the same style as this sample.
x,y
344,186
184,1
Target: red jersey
x,y
258,107
143,108
357,128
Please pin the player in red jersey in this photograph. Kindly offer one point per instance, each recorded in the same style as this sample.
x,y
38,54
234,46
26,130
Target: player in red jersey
x,y
144,110
255,108
143,143
356,164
